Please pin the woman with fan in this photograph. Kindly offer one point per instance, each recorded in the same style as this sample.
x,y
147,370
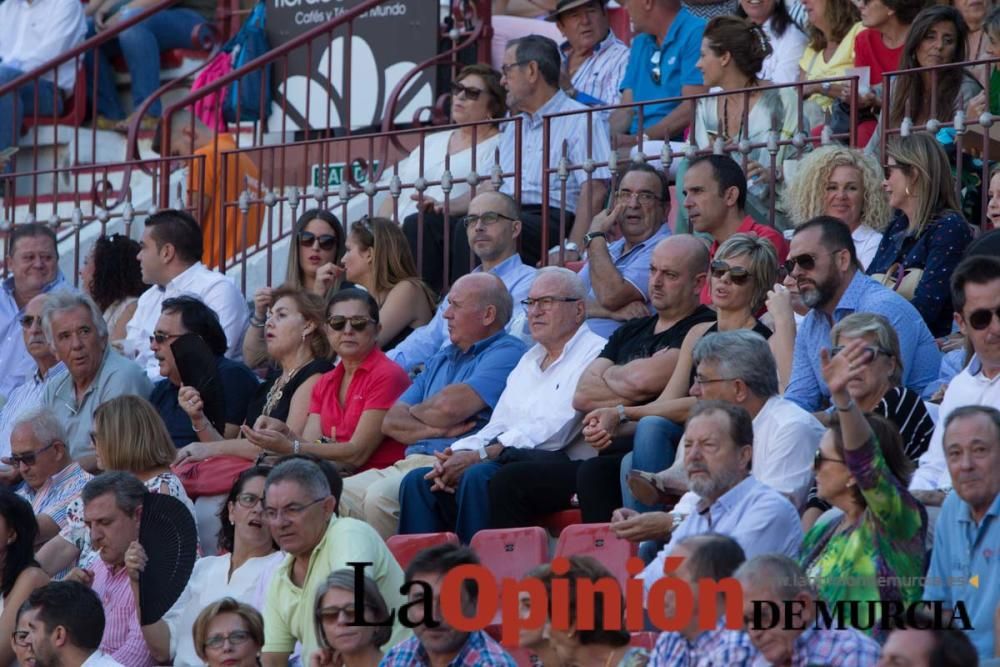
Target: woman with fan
x,y
242,572
128,436
20,574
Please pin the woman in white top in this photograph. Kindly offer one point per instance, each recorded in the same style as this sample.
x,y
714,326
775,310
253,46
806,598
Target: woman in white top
x,y
787,40
112,277
846,184
241,573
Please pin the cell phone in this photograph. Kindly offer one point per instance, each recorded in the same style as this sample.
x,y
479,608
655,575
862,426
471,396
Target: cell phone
x,y
9,152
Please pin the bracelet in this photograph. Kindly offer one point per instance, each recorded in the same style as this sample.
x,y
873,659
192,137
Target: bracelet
x,y
198,430
254,322
846,408
296,446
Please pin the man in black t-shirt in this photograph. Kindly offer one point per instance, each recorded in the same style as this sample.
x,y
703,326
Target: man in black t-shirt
x,y
633,368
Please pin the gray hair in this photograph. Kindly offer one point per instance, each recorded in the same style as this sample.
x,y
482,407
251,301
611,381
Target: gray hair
x,y
44,425
304,473
857,325
742,354
777,573
128,490
541,50
374,602
63,300
570,280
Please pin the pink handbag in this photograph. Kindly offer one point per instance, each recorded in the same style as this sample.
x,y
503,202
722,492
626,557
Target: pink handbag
x,y
209,108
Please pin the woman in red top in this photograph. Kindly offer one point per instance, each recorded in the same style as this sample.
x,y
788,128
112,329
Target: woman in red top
x,y
348,403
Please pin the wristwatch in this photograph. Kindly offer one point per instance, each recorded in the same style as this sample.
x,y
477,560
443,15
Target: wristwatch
x,y
825,87
483,454
590,236
622,417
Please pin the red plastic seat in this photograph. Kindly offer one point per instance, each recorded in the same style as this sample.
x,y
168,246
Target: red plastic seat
x,y
600,542
74,109
511,552
405,547
556,522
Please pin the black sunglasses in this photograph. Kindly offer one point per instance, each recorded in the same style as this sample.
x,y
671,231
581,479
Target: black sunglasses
x,y
358,322
819,459
326,241
161,338
470,93
982,318
655,73
738,274
28,320
29,459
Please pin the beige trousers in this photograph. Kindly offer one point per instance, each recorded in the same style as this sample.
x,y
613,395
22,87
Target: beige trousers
x,y
373,495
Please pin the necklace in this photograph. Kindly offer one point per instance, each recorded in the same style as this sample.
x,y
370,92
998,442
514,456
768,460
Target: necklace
x,y
752,83
277,390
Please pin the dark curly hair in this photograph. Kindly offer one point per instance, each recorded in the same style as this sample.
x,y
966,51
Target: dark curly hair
x,y
20,554
116,270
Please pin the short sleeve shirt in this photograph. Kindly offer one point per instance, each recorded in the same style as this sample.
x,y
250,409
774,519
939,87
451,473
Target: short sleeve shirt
x,y
376,385
637,339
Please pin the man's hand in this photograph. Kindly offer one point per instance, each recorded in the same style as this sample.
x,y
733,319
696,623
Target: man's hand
x,y
9,475
457,464
190,401
85,577
135,560
635,527
428,204
607,218
600,426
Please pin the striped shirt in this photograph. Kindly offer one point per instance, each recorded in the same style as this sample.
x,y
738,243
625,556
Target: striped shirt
x,y
122,639
570,129
831,648
720,647
54,497
24,397
599,77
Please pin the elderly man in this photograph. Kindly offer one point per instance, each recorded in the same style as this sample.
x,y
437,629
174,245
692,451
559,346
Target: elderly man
x,y
29,393
534,419
443,644
963,562
719,443
633,367
299,506
170,257
33,263
454,396
52,480
112,507
772,583
76,330
492,228
594,59
823,262
976,297
617,273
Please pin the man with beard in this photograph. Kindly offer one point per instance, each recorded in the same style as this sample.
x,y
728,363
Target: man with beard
x,y
825,266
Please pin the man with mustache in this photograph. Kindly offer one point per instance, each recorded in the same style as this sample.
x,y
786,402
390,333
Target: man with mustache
x,y
823,262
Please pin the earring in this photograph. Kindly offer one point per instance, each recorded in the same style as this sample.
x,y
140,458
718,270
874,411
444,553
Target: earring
x,y
303,335
907,191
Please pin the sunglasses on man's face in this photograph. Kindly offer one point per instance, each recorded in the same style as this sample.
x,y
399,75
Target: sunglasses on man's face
x,y
737,274
358,323
28,320
326,241
468,92
982,318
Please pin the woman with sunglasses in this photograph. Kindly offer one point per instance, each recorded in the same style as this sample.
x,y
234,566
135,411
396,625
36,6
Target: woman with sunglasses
x,y
228,633
378,258
877,389
314,255
342,643
241,572
112,277
927,234
348,403
21,573
872,548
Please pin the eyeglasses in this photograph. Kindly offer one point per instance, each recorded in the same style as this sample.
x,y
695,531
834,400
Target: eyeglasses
x,y
645,197
737,274
871,351
349,613
160,338
982,318
20,637
468,92
806,260
698,379
505,69
487,219
326,241
655,62
358,323
546,302
890,167
292,512
819,459
235,638
249,500
29,459
28,320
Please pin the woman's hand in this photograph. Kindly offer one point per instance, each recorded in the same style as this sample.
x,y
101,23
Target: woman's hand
x,y
190,401
976,107
269,434
758,172
779,303
135,560
326,276
262,300
838,371
196,451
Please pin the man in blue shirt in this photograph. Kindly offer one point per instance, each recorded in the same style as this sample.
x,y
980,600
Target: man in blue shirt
x,y
824,264
665,50
965,561
492,228
454,396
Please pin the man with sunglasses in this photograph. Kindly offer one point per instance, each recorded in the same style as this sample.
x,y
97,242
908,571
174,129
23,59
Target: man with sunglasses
x,y
975,292
594,59
617,272
824,264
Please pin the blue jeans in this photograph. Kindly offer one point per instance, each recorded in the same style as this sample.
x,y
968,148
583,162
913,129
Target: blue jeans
x,y
466,511
50,101
654,446
141,46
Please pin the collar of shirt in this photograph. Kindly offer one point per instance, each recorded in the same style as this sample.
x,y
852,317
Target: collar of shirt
x,y
68,383
8,286
188,278
56,480
609,40
852,295
456,352
676,26
537,353
38,378
975,369
661,233
727,500
554,104
504,268
965,516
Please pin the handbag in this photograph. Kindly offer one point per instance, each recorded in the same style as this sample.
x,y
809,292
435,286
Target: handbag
x,y
251,94
902,281
213,476
209,108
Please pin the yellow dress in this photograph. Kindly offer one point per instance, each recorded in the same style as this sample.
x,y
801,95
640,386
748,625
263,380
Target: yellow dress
x,y
816,68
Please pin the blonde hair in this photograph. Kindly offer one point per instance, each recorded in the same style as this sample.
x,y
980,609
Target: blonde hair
x,y
251,617
763,262
132,436
392,261
921,155
804,195
312,308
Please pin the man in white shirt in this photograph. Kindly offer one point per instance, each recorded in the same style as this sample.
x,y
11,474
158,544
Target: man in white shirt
x,y
64,623
34,32
533,420
975,293
170,257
